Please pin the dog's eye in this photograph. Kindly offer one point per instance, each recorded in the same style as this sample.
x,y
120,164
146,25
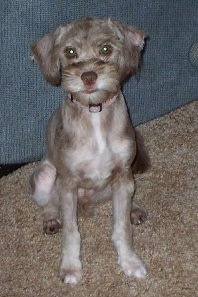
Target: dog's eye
x,y
70,53
106,49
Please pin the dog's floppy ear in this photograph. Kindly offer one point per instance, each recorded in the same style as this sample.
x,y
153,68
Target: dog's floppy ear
x,y
133,41
46,53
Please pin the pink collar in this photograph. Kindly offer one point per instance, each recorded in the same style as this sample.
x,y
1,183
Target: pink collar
x,y
94,108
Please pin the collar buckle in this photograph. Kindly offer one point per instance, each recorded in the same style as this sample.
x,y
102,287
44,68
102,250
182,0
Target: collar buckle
x,y
95,107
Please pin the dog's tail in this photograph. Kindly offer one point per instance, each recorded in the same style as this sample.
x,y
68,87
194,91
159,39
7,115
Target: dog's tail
x,y
142,161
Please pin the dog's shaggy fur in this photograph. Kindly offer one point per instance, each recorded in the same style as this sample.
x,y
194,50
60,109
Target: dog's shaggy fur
x,y
91,148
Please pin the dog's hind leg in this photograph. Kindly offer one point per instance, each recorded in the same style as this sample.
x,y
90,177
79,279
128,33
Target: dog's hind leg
x,y
138,214
51,214
44,193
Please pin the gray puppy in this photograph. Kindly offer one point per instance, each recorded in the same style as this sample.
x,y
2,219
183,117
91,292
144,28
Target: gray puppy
x,y
91,146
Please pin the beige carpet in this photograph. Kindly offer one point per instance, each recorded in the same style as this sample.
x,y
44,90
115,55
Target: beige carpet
x,y
167,242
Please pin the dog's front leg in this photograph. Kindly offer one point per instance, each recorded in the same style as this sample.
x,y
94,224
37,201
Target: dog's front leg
x,y
123,189
70,263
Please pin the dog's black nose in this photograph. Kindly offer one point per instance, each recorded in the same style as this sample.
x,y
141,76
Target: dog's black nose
x,y
89,77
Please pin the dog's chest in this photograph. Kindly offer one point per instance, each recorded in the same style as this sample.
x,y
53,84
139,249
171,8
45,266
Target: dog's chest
x,y
100,138
100,155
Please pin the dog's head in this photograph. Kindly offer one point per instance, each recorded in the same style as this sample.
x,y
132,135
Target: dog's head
x,y
89,57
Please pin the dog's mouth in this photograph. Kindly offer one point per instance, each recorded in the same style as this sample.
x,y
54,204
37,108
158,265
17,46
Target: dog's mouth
x,y
92,96
96,93
89,91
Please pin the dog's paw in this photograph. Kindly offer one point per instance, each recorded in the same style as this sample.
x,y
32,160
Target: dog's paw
x,y
71,275
133,266
51,226
138,215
